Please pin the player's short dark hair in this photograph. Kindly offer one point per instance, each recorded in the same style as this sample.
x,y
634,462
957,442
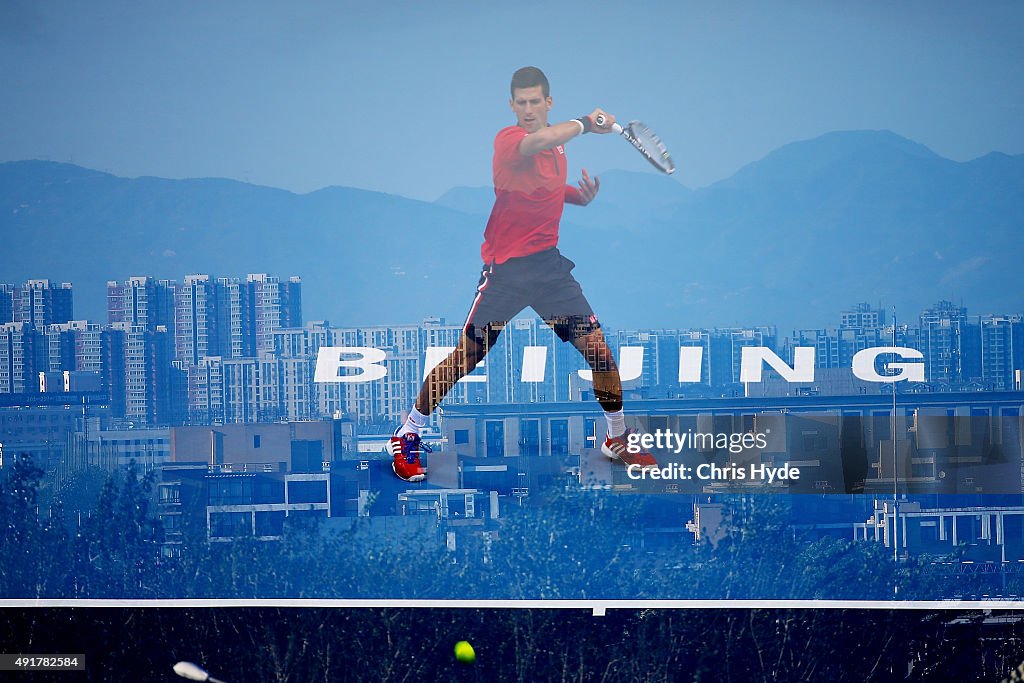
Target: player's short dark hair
x,y
529,77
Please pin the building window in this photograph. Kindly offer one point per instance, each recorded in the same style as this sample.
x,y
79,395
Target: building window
x,y
529,438
924,469
461,436
269,523
559,437
495,438
590,432
170,493
255,440
230,524
233,490
307,491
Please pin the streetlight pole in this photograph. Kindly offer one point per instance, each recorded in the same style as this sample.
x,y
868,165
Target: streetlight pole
x,y
895,463
895,476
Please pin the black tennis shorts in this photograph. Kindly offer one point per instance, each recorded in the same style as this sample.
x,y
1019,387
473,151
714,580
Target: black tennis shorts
x,y
542,281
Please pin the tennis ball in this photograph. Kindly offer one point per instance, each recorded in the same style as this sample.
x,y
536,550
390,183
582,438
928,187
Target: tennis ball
x,y
464,652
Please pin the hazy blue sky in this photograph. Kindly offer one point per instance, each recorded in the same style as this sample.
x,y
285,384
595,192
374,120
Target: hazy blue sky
x,y
406,97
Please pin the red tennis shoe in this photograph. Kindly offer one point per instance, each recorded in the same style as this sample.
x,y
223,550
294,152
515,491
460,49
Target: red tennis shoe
x,y
618,449
406,453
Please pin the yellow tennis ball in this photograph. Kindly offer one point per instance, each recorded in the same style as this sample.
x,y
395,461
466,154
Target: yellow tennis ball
x,y
464,652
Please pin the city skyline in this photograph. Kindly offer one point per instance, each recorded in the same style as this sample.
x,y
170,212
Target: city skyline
x,y
216,350
859,313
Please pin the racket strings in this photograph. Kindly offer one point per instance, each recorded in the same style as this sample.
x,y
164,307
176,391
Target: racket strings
x,y
651,146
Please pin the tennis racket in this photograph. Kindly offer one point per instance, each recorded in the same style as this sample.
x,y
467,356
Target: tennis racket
x,y
645,141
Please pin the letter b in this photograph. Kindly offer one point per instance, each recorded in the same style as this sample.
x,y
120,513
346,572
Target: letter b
x,y
329,362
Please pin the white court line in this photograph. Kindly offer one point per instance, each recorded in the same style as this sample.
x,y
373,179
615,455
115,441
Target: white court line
x,y
599,607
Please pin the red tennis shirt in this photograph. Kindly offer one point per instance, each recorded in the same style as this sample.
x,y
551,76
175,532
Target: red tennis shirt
x,y
529,195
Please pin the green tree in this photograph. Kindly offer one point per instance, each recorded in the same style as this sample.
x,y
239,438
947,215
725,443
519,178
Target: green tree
x,y
33,545
117,548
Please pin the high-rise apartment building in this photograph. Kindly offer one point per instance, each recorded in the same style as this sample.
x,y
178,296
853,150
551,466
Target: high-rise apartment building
x,y
141,301
8,294
206,391
60,347
242,391
146,383
1002,351
195,319
22,358
951,345
273,305
98,350
41,303
232,319
863,316
291,302
235,338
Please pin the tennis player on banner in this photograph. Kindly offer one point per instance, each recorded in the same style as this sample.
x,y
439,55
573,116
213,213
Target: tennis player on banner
x,y
523,267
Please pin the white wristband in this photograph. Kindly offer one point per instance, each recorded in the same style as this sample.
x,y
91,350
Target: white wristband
x,y
583,129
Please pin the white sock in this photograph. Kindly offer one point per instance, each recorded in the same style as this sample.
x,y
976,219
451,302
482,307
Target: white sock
x,y
414,423
616,423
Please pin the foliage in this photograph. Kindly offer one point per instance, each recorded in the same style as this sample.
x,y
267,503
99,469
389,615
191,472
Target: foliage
x,y
34,546
117,548
578,545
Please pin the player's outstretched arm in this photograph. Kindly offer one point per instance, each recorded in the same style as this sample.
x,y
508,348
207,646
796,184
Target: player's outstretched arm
x,y
561,133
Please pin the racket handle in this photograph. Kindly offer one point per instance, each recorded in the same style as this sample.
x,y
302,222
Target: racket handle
x,y
599,120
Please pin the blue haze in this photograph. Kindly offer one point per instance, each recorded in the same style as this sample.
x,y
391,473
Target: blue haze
x,y
790,240
404,97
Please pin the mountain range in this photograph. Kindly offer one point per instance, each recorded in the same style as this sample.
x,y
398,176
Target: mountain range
x,y
791,239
